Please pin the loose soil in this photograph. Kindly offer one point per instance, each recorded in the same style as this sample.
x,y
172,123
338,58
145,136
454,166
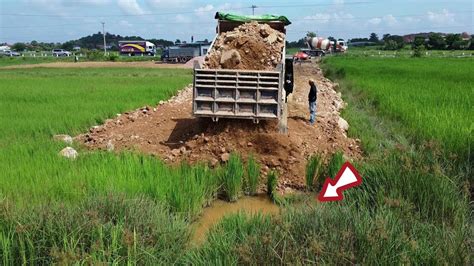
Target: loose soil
x,y
250,46
170,132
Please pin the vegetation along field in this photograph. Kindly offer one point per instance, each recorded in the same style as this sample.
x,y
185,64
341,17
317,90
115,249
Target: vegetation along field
x,y
412,116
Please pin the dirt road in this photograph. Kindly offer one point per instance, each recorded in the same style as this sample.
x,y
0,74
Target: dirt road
x,y
144,64
170,132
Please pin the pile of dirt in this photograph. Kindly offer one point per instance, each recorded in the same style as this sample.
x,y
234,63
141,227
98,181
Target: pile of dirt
x,y
170,132
250,46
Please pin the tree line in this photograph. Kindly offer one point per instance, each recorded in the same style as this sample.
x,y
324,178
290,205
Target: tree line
x,y
91,42
431,41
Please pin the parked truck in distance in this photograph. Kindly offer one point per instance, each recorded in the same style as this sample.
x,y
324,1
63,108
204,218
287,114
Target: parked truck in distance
x,y
137,48
318,46
182,53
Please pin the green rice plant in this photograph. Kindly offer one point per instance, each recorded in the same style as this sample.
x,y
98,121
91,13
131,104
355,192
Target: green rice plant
x,y
253,174
100,229
335,164
232,178
272,181
313,172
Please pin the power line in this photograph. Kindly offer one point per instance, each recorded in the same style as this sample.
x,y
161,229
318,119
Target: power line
x,y
212,23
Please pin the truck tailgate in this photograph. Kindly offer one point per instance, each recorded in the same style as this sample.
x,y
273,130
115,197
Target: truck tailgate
x,y
244,94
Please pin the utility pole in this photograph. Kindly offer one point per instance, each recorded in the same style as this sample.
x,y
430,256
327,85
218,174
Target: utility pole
x,y
253,9
103,33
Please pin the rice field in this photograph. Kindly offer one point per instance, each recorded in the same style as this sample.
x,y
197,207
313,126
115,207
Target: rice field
x,y
130,208
430,98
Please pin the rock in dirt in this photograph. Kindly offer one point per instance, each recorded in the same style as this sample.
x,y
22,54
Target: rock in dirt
x,y
64,138
225,157
343,124
69,153
230,59
110,146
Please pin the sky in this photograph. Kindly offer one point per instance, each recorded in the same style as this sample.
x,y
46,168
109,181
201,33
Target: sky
x,y
63,20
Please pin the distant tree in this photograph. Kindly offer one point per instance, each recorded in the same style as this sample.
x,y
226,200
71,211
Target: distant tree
x,y
178,41
332,39
69,45
19,47
471,46
393,42
419,41
418,46
454,41
386,36
374,38
436,41
311,34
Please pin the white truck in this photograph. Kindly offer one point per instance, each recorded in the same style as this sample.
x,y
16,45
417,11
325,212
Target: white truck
x,y
137,48
319,46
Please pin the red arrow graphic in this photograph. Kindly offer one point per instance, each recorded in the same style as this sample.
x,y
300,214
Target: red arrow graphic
x,y
346,178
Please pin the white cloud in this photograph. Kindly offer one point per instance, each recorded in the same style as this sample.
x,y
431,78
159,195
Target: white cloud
x,y
375,21
166,4
390,20
324,18
182,19
206,8
442,18
125,23
339,2
130,7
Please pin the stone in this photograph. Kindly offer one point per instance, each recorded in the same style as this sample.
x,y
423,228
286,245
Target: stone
x,y
229,59
110,146
69,153
214,162
225,157
175,152
343,125
64,138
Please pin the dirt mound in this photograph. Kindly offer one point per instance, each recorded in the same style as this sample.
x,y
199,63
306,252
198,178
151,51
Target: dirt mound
x,y
170,132
250,46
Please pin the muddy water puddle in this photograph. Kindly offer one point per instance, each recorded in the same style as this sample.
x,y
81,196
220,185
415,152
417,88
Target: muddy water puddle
x,y
219,209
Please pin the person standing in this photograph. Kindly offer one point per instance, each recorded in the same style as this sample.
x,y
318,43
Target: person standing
x,y
312,97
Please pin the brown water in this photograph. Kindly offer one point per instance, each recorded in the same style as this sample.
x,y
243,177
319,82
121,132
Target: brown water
x,y
219,208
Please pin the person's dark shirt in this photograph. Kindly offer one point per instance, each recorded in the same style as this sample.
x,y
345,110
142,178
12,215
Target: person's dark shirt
x,y
313,95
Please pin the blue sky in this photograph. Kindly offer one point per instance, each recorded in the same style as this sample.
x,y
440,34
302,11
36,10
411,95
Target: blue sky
x,y
62,20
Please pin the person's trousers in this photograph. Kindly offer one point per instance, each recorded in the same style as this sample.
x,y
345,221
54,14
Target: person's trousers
x,y
312,112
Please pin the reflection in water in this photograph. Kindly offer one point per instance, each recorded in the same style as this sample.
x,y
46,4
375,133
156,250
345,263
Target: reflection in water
x,y
219,208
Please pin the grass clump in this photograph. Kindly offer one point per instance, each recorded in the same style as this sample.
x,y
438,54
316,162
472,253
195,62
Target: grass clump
x,y
253,174
313,172
272,181
232,177
335,164
111,229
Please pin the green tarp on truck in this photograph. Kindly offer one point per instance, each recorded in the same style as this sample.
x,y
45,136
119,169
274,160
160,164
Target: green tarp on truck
x,y
262,18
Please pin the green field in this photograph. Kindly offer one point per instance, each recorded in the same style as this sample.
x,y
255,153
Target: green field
x,y
98,56
431,98
128,208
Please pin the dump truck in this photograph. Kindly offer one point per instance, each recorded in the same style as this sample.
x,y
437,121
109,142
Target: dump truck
x,y
184,52
221,93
